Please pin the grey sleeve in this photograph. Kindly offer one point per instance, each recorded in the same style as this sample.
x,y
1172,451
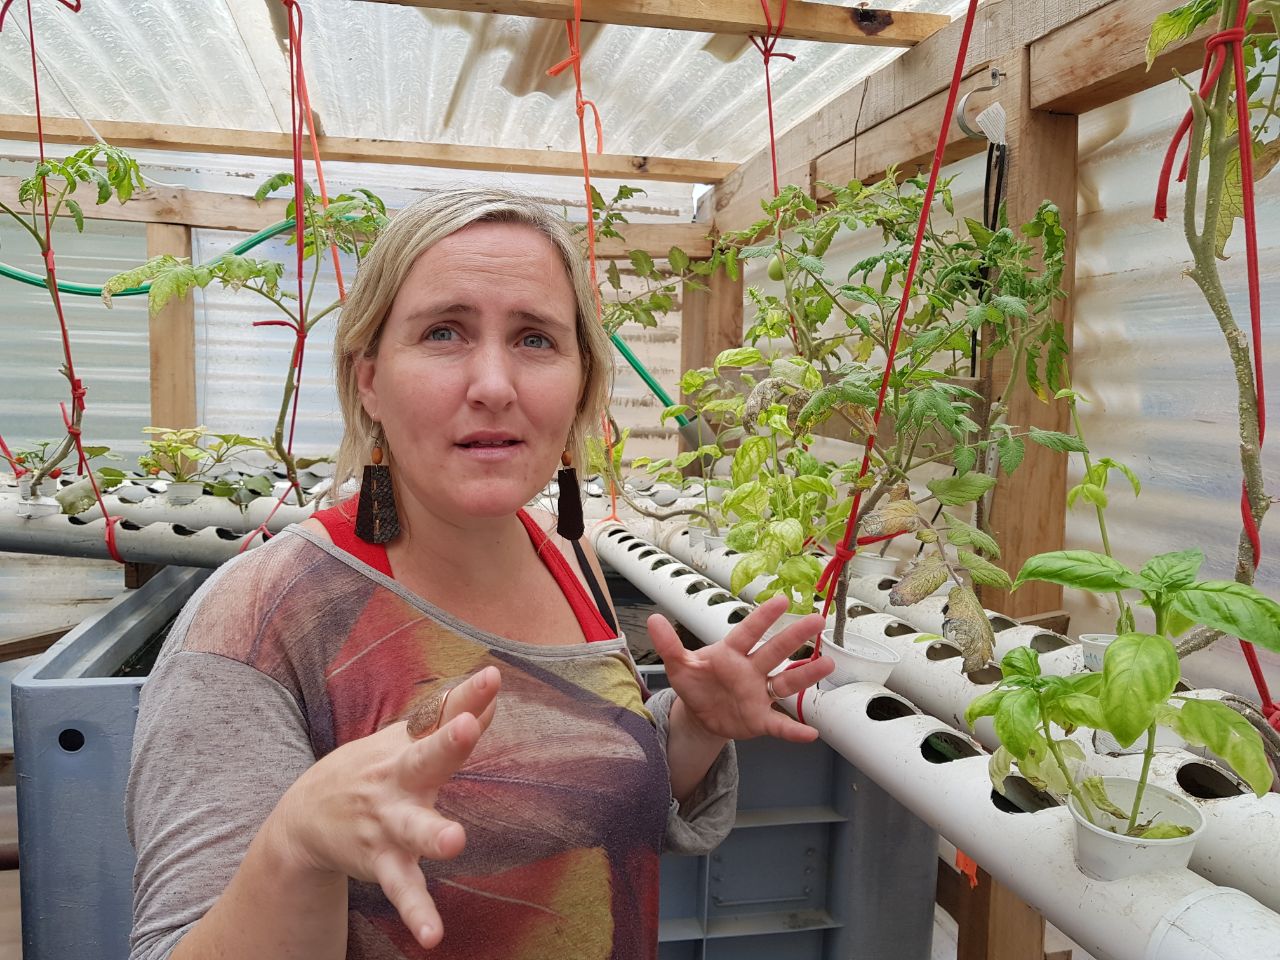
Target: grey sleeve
x,y
216,745
701,823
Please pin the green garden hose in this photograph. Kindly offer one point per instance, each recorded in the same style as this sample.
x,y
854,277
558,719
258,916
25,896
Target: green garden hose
x,y
90,290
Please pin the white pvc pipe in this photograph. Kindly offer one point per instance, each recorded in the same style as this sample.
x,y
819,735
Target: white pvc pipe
x,y
1241,843
1173,915
681,593
206,511
63,536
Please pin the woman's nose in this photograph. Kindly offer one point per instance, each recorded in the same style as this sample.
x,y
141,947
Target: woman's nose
x,y
491,377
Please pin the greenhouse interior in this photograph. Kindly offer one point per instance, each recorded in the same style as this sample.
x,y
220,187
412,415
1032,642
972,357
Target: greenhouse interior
x,y
844,422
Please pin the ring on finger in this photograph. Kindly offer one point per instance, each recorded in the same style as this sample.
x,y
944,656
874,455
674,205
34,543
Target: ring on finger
x,y
768,688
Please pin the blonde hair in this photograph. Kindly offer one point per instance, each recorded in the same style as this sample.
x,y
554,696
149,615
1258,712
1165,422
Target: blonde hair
x,y
412,232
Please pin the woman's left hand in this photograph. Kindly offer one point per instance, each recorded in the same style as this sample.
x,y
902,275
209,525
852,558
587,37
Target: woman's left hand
x,y
723,686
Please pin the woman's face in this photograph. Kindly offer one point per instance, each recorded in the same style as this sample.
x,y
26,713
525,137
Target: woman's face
x,y
478,373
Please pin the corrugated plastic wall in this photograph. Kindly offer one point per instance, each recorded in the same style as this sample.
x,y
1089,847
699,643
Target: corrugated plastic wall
x,y
1152,359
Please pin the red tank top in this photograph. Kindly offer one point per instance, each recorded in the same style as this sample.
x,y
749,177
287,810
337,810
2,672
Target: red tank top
x,y
339,523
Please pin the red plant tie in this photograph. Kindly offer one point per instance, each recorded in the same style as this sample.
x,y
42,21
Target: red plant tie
x,y
50,262
573,30
831,575
843,552
1220,46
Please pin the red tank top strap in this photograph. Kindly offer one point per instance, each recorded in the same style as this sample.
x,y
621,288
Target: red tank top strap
x,y
593,624
340,523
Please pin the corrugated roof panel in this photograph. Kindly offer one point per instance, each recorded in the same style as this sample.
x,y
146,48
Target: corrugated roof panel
x,y
405,73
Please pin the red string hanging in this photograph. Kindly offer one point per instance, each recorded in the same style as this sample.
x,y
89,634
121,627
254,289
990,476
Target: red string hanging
x,y
766,45
302,126
1218,48
573,30
77,386
843,552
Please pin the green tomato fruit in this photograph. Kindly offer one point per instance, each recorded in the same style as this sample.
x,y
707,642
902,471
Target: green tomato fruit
x,y
775,268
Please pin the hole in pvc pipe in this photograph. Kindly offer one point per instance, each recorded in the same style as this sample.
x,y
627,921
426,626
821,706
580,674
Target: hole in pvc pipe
x,y
1000,622
1048,642
719,598
77,521
182,531
638,545
661,562
1021,797
683,571
941,651
71,740
943,747
1181,686
887,583
988,674
130,525
624,537
646,554
698,586
898,629
616,532
224,534
737,616
858,610
1206,782
888,708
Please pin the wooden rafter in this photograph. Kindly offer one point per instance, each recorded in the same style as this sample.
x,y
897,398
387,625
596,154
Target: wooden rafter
x,y
225,211
161,136
805,21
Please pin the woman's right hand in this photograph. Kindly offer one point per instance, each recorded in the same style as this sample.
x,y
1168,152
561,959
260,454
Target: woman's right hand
x,y
367,810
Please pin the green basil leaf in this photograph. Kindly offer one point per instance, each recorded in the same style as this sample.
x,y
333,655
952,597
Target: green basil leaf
x,y
1216,726
1017,720
1233,608
1139,672
1083,569
1172,571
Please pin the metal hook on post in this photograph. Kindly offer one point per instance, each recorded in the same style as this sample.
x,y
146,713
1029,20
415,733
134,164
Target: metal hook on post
x,y
996,76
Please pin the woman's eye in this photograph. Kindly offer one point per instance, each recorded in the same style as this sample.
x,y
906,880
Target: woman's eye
x,y
440,334
536,340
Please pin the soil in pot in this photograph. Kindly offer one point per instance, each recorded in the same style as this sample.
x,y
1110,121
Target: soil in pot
x,y
1107,855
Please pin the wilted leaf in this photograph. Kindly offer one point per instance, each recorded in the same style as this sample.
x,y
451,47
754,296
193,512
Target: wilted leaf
x,y
899,516
926,576
967,626
1096,791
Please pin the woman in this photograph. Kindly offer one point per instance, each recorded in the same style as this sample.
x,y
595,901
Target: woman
x,y
438,743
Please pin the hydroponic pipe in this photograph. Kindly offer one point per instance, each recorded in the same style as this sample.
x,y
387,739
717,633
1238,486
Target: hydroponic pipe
x,y
1164,915
205,511
1171,915
1240,845
162,543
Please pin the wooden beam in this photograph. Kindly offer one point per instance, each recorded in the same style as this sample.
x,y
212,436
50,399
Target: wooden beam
x,y
907,141
711,320
257,143
172,339
1102,57
1000,26
805,20
1028,511
226,211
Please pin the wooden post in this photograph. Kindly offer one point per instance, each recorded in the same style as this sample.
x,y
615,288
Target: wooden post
x,y
1028,511
993,923
711,321
172,337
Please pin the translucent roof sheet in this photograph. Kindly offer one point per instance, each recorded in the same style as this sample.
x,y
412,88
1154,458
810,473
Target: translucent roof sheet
x,y
404,73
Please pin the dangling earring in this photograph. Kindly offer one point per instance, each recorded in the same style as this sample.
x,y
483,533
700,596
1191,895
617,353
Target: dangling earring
x,y
376,517
569,504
